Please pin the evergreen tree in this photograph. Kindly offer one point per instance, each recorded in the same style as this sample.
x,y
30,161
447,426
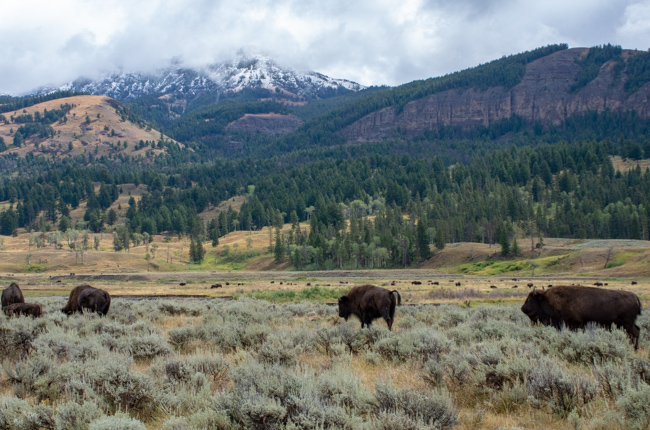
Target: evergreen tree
x,y
111,217
440,239
515,248
423,240
502,235
64,224
279,250
193,256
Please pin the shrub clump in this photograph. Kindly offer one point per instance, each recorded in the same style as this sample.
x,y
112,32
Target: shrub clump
x,y
411,409
119,421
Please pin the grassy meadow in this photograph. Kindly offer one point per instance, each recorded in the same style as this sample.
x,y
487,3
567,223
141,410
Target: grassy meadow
x,y
248,363
267,349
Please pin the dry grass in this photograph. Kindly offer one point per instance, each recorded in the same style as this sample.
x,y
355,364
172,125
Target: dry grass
x,y
84,137
628,164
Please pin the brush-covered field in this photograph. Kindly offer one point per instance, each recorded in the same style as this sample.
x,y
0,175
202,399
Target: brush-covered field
x,y
247,363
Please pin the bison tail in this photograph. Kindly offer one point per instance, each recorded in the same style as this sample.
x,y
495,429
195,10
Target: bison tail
x,y
399,298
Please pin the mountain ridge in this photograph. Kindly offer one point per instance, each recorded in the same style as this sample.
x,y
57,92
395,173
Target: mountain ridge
x,y
546,94
182,83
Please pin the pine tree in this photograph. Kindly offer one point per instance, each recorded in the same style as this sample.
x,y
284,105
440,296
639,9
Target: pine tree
x,y
423,240
279,247
515,247
440,240
192,251
502,234
199,252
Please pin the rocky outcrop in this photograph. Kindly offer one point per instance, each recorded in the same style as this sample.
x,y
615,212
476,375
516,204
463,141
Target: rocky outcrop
x,y
270,123
543,95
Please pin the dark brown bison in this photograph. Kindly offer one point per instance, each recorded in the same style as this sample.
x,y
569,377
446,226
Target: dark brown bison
x,y
576,306
368,302
27,309
87,297
11,295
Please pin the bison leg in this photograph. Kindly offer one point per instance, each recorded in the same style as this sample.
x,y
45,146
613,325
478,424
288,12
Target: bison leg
x,y
367,320
633,331
387,315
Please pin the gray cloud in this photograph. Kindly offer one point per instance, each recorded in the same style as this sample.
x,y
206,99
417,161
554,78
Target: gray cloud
x,y
372,42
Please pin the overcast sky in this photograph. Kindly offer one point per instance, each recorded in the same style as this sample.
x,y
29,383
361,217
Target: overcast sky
x,y
373,42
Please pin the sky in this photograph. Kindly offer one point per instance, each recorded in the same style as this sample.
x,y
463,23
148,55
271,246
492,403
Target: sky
x,y
372,42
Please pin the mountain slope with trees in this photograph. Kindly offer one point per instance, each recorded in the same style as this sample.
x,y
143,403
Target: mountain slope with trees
x,y
368,205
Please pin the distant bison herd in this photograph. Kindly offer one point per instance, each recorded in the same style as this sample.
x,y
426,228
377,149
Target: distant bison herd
x,y
572,306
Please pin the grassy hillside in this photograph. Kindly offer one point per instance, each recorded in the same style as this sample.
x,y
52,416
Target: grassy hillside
x,y
94,124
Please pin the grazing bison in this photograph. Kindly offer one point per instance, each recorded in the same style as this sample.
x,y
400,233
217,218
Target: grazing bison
x,y
216,286
368,302
577,306
27,309
87,297
11,295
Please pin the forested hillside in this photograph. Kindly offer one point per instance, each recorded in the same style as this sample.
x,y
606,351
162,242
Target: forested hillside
x,y
368,205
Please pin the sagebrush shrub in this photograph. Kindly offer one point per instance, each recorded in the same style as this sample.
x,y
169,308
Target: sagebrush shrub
x,y
119,421
593,345
111,377
176,423
635,406
563,391
426,410
75,416
144,346
16,413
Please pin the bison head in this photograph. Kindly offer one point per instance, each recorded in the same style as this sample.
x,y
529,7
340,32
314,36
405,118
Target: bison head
x,y
344,307
533,306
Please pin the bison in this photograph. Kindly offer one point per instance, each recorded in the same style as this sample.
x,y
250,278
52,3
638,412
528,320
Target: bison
x,y
575,307
11,295
87,297
369,302
27,309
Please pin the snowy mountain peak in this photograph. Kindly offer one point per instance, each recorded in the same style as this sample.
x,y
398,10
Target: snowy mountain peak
x,y
245,72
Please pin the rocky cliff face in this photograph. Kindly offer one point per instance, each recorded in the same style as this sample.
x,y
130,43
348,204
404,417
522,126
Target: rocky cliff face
x,y
542,95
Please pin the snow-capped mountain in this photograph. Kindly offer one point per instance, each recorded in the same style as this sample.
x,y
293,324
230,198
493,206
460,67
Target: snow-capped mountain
x,y
256,73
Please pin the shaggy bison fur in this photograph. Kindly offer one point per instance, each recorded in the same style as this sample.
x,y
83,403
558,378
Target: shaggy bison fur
x,y
27,309
87,297
11,295
576,306
368,302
